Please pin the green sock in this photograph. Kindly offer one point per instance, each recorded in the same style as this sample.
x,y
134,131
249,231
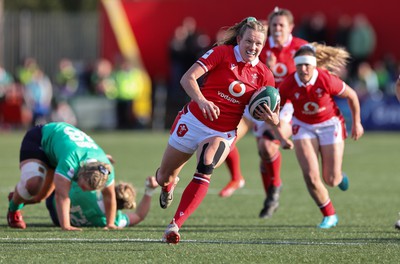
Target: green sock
x,y
15,207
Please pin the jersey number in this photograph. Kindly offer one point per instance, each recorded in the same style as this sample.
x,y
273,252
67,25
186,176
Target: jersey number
x,y
81,139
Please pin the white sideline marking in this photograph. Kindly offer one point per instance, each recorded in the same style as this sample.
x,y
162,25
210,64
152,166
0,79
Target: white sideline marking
x,y
283,242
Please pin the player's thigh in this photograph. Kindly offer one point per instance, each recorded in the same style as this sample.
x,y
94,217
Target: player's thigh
x,y
332,159
172,162
244,126
307,155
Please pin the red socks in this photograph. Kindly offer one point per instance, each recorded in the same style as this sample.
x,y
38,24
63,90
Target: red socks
x,y
191,198
271,171
233,163
327,208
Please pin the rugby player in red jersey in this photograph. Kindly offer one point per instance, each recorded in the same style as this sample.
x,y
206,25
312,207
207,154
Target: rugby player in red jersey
x,y
318,125
207,125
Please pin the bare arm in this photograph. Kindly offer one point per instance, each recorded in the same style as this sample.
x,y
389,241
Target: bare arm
x,y
189,83
110,204
63,203
357,129
144,205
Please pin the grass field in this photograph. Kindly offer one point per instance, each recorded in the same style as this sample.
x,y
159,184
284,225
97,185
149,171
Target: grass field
x,y
223,230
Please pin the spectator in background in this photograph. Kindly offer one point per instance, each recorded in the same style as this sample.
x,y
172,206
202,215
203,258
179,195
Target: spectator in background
x,y
313,28
177,97
362,42
39,94
398,97
27,70
343,29
366,82
101,80
6,79
127,92
14,112
186,45
67,80
383,75
62,112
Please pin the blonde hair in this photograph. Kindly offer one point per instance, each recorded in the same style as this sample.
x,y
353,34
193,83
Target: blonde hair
x,y
95,174
126,196
239,28
334,59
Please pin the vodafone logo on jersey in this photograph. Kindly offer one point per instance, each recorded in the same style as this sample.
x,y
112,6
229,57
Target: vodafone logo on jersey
x,y
237,88
312,108
279,70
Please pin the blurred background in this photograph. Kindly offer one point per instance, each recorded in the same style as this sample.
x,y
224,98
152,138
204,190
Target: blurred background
x,y
116,64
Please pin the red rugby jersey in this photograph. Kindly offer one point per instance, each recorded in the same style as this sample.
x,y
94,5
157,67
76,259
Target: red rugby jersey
x,y
284,57
313,102
229,83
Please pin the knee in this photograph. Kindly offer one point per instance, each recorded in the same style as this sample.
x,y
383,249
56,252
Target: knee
x,y
268,150
34,185
332,180
312,182
32,178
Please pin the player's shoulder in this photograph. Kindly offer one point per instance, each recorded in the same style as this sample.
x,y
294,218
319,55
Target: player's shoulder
x,y
288,82
298,42
324,74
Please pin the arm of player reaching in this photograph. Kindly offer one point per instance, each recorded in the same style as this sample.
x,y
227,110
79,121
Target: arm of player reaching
x,y
357,129
110,204
62,187
144,206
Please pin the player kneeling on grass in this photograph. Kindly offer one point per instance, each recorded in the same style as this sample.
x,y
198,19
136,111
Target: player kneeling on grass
x,y
52,156
87,208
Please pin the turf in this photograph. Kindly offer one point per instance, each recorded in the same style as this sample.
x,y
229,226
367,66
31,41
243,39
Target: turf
x,y
223,230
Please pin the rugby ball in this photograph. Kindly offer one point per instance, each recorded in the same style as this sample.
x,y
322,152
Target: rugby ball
x,y
266,95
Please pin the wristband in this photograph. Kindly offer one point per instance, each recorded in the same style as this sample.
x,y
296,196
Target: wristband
x,y
149,191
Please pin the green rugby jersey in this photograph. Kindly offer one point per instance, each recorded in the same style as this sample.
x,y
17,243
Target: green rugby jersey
x,y
87,209
67,148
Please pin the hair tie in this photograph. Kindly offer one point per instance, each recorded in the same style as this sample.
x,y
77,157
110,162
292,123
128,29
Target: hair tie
x,y
251,19
103,170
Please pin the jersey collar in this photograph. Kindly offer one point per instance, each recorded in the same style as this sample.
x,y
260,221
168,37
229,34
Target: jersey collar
x,y
240,59
311,82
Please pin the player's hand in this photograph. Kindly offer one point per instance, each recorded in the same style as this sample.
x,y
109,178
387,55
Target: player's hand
x,y
267,115
209,110
287,144
71,228
357,131
111,227
110,158
151,182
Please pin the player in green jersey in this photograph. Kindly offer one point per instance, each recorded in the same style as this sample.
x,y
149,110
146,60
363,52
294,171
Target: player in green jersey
x,y
87,208
52,156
